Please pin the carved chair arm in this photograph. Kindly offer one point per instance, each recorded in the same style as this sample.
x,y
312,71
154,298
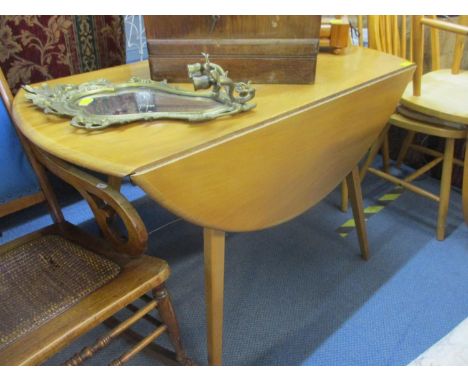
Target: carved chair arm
x,y
105,202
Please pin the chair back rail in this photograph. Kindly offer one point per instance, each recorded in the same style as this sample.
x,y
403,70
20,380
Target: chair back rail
x,y
5,92
105,202
388,33
418,23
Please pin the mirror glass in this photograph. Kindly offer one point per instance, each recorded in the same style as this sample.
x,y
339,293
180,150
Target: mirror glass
x,y
145,100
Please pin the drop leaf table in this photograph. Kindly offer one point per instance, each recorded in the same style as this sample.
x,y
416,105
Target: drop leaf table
x,y
243,172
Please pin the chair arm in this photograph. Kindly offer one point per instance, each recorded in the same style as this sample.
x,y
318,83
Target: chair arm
x,y
446,26
105,202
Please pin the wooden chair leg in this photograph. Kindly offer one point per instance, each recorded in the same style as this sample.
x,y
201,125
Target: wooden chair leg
x,y
374,150
344,196
168,317
386,154
465,184
405,147
354,186
445,186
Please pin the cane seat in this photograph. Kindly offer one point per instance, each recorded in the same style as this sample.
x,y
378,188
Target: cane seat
x,y
39,280
60,282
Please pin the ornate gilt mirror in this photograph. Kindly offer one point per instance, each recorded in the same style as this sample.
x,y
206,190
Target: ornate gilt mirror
x,y
99,104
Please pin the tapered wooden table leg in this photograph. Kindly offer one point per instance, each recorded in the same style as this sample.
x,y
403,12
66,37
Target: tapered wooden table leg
x,y
355,194
214,244
344,196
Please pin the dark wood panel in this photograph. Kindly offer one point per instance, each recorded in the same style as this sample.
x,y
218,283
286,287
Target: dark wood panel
x,y
166,27
258,69
304,47
263,49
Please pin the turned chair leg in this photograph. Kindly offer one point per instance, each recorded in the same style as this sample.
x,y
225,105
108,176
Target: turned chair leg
x,y
405,147
168,317
445,186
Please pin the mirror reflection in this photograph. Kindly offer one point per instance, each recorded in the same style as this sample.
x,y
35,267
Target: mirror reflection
x,y
145,100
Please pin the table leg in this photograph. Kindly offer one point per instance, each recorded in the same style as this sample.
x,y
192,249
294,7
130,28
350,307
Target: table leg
x,y
214,244
344,196
354,187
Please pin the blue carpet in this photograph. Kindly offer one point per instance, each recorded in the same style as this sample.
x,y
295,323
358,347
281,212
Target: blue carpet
x,y
299,294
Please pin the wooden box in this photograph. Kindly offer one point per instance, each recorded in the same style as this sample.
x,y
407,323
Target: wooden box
x,y
263,49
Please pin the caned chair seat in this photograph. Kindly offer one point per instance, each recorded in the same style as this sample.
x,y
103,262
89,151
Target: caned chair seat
x,y
55,282
443,95
42,277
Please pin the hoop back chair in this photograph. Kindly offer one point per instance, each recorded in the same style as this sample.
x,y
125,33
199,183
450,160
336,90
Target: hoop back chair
x,y
435,104
60,282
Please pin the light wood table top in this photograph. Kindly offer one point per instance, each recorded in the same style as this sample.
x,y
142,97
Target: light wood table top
x,y
130,148
248,171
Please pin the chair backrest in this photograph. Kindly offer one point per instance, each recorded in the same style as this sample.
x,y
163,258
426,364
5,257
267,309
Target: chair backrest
x,y
403,36
393,34
5,92
418,23
388,33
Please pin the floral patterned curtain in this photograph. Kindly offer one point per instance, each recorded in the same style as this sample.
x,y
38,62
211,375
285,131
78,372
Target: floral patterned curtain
x,y
38,48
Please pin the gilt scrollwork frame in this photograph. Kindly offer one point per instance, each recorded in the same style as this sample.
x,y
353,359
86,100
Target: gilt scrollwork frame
x,y
64,100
